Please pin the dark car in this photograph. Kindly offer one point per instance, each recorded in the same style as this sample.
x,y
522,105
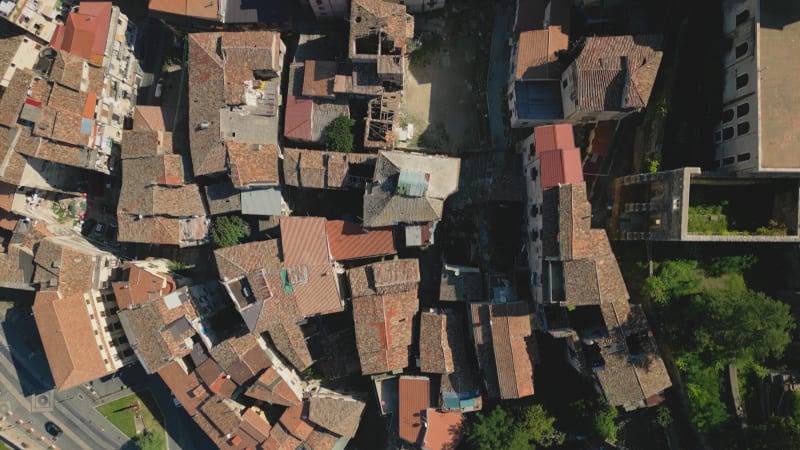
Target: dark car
x,y
53,429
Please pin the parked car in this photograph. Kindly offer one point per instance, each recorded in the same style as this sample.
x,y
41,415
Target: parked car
x,y
53,429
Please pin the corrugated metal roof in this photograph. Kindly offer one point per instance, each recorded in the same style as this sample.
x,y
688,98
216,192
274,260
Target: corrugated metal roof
x,y
538,100
262,202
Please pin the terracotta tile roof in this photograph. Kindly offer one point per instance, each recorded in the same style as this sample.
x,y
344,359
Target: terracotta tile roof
x,y
184,386
239,260
159,329
384,305
608,69
318,78
286,335
297,124
553,137
152,118
305,250
435,353
241,357
219,65
294,422
415,399
14,96
386,202
536,54
444,431
281,439
192,8
144,143
336,413
16,266
68,340
319,169
506,348
222,417
154,199
385,277
255,424
223,198
84,34
320,439
67,70
271,388
253,164
350,241
11,38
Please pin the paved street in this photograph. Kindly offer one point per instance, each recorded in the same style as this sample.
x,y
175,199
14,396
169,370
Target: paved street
x,y
498,75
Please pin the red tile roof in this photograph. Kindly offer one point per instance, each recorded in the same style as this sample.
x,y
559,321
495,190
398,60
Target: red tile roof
x,y
562,166
415,398
305,250
553,137
348,240
297,124
85,32
444,430
141,286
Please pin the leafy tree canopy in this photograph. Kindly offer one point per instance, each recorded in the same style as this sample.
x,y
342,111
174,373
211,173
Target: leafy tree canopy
x,y
741,324
674,278
779,432
339,134
500,429
228,231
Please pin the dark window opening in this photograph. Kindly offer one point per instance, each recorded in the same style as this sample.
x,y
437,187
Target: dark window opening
x,y
742,128
727,133
742,17
741,49
717,136
742,109
743,157
727,115
727,161
741,81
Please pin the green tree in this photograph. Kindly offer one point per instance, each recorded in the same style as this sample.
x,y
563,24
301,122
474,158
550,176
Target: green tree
x,y
492,431
703,387
730,264
540,426
229,230
742,325
663,417
500,429
605,424
673,278
339,134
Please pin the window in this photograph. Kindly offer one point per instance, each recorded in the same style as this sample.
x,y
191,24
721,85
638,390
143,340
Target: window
x,y
91,316
742,109
564,83
87,301
743,157
717,137
96,332
100,347
105,361
727,161
742,128
102,313
718,163
741,80
727,133
742,17
727,115
741,49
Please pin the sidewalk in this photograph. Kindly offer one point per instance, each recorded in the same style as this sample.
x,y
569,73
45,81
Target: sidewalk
x,y
21,435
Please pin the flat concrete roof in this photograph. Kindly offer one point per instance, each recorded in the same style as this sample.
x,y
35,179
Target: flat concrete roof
x,y
779,97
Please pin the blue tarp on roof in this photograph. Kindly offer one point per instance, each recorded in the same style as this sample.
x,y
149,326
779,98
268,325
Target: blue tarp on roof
x,y
538,100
